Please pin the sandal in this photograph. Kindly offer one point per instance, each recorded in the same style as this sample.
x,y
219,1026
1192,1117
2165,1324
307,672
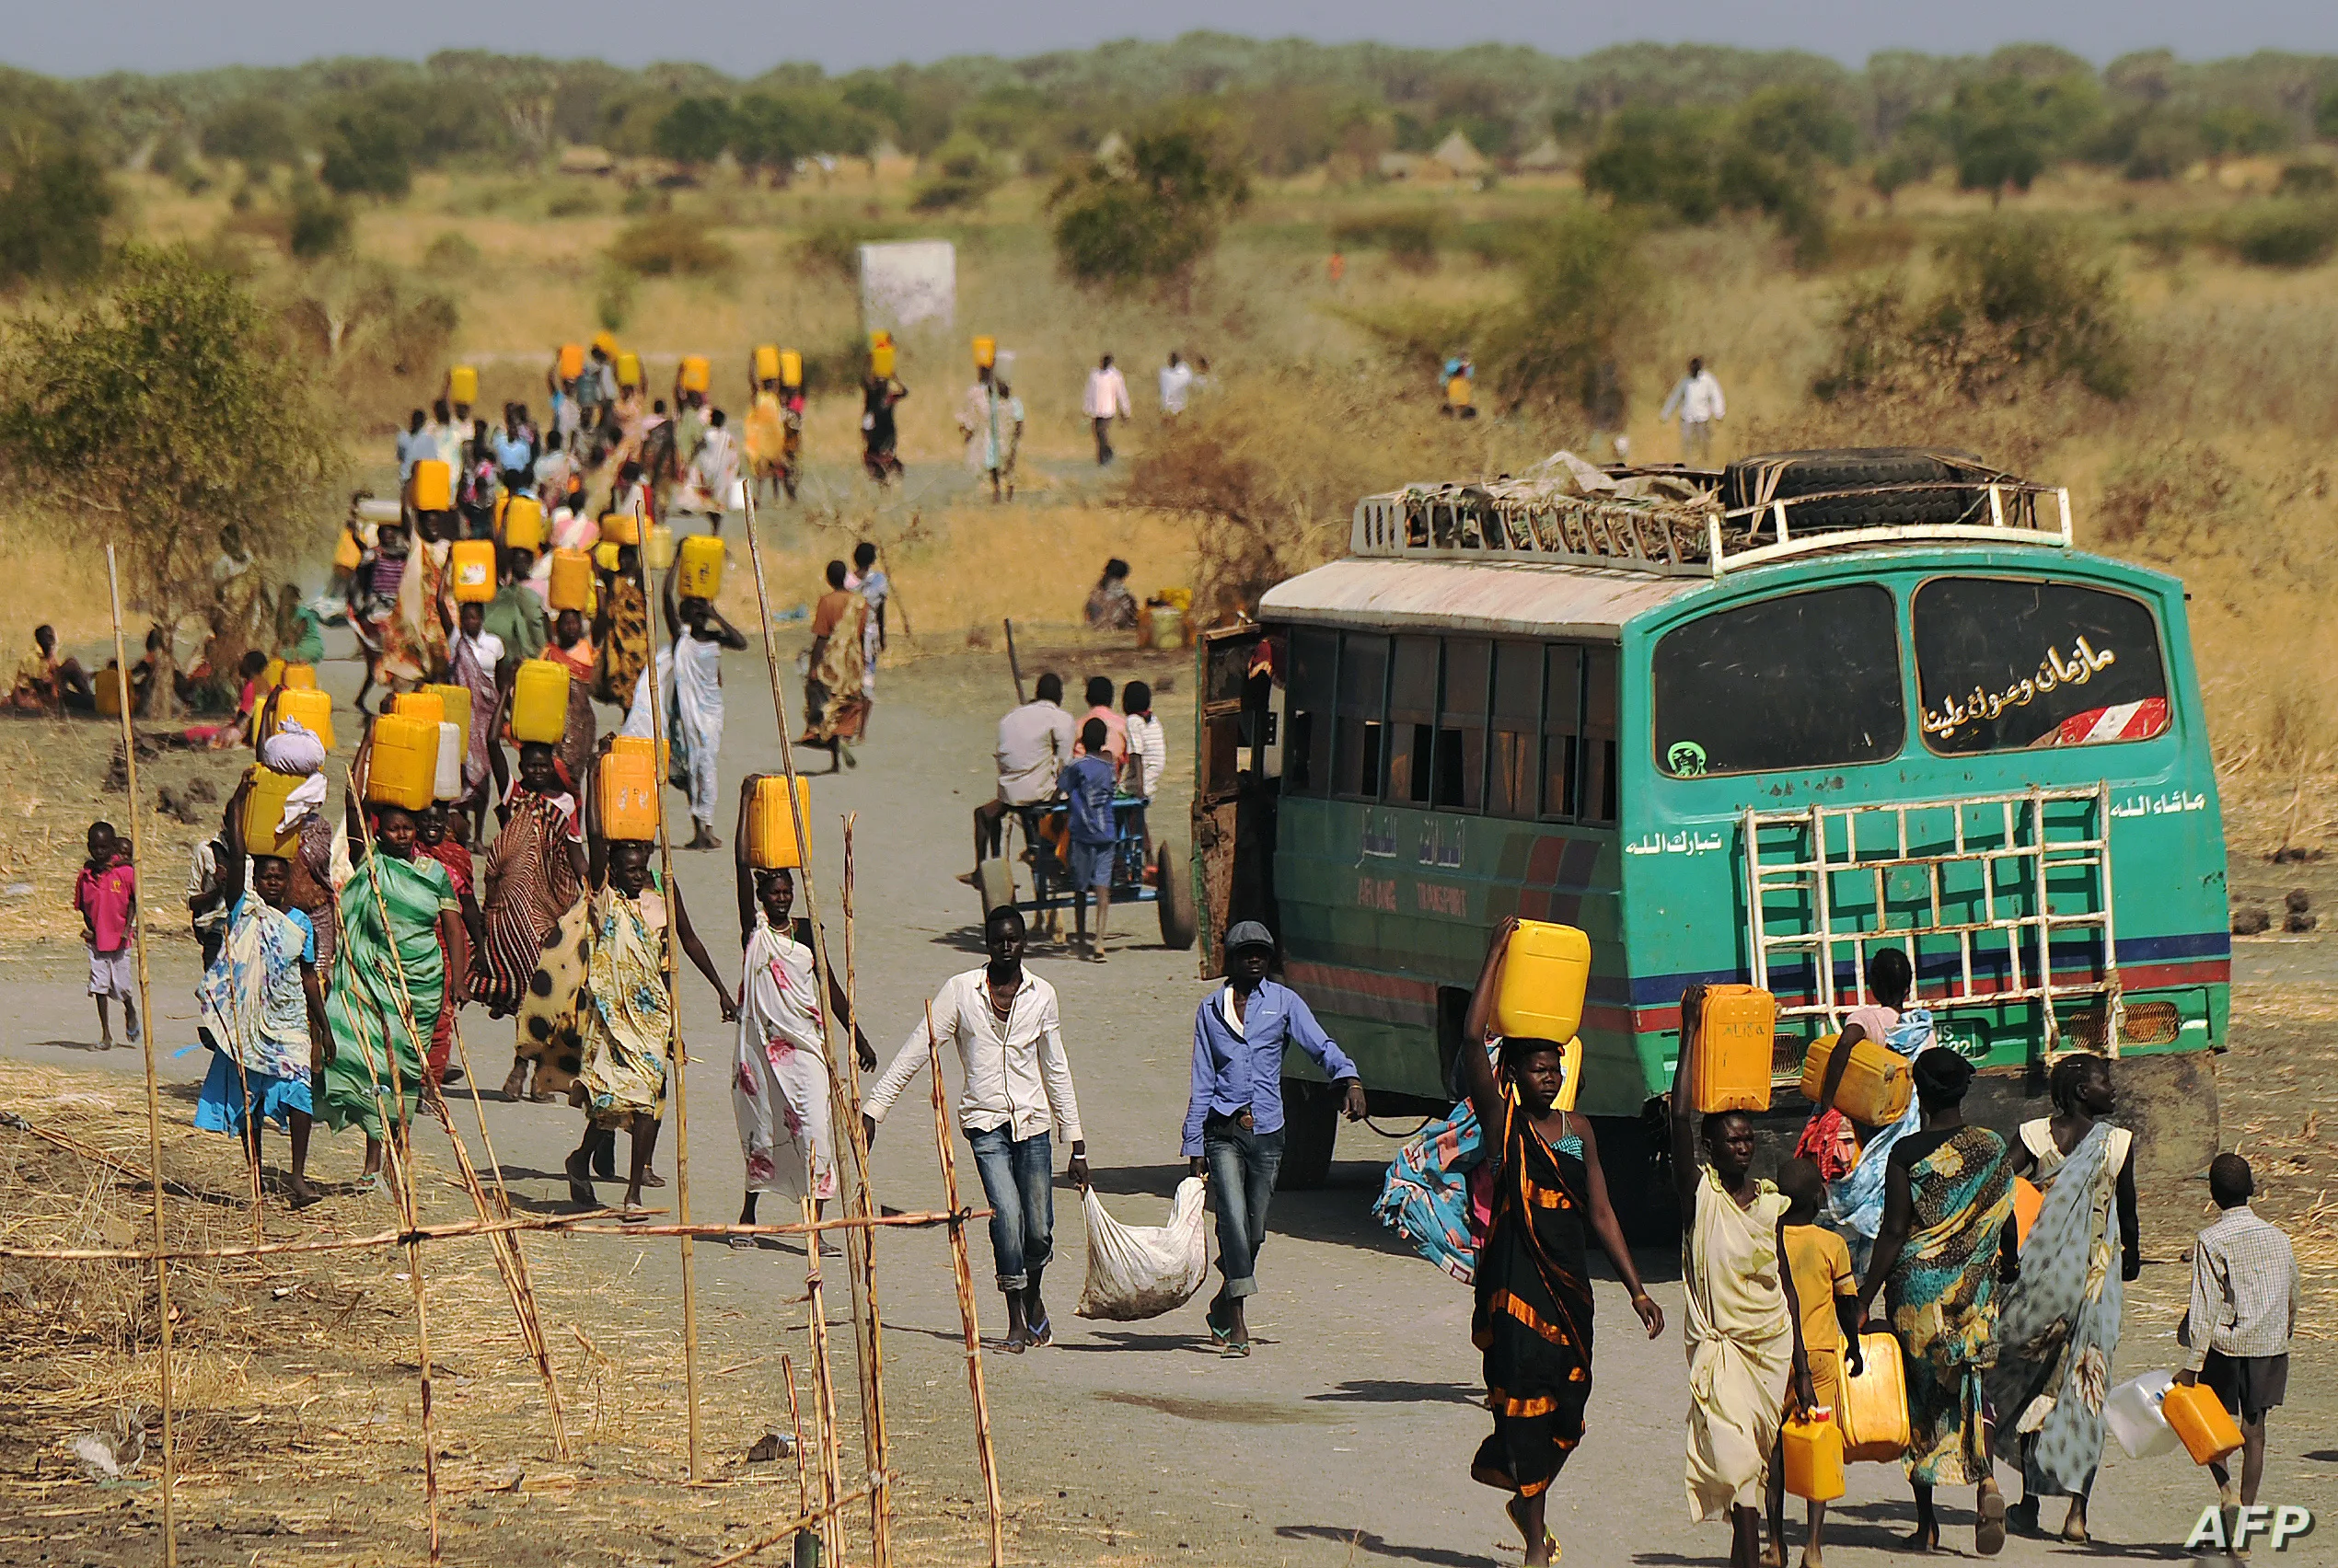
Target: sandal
x,y
1237,1347
1225,1336
1042,1333
1517,1520
634,1214
1988,1525
365,1186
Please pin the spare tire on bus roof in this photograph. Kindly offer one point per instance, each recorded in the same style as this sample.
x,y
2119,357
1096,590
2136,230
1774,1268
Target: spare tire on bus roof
x,y
1891,486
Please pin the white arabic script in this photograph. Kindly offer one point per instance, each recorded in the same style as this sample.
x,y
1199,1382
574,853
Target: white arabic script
x,y
2052,671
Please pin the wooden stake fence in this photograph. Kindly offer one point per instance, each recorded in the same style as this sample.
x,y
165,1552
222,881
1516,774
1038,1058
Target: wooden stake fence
x,y
146,1039
983,1453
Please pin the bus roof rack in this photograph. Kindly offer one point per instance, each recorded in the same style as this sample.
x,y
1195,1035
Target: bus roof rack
x,y
1671,521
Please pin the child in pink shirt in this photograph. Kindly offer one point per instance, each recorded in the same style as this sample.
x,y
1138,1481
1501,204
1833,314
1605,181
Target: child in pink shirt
x,y
105,892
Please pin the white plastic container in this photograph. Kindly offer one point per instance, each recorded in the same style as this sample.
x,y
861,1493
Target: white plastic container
x,y
2132,1412
447,783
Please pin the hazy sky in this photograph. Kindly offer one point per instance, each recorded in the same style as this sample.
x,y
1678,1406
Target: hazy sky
x,y
746,36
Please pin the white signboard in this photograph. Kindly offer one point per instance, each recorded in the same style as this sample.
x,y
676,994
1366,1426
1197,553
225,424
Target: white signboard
x,y
908,283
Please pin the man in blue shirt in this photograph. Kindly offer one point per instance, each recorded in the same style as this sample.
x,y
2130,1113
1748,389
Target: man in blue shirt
x,y
1086,783
1233,1121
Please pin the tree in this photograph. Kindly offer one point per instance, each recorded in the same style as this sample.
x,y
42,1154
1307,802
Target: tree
x,y
154,412
54,204
367,153
2003,129
965,171
694,130
2326,116
769,133
256,132
1582,291
1150,217
1652,157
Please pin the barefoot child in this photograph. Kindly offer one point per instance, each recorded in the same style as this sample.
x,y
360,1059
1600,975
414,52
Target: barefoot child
x,y
105,892
1826,1304
2245,1308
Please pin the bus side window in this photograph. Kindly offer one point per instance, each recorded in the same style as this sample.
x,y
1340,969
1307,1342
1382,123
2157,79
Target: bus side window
x,y
1602,673
1306,742
1518,708
1412,720
1562,727
1460,725
1361,723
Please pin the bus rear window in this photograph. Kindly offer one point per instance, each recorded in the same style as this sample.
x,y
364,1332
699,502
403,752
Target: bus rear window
x,y
1809,680
2006,663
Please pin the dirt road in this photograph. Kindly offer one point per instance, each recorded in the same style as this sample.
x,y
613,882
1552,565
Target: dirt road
x,y
1344,1439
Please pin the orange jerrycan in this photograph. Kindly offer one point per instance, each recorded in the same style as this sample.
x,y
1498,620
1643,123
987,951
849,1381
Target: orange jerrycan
x,y
626,783
621,528
264,808
1544,970
434,484
404,769
701,574
1736,1039
472,563
570,587
1812,1445
539,702
313,709
1877,1081
571,360
462,385
771,827
2200,1420
1874,1412
698,372
524,525
767,362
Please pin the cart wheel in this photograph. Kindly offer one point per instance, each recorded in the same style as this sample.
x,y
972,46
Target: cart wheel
x,y
994,881
1173,886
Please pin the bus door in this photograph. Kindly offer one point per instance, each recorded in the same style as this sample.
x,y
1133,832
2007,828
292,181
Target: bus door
x,y
1237,781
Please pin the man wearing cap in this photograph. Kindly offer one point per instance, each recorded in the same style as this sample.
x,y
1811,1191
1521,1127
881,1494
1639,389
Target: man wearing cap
x,y
1233,1121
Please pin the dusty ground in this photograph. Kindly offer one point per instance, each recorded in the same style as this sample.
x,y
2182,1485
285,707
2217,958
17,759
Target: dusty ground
x,y
1344,1440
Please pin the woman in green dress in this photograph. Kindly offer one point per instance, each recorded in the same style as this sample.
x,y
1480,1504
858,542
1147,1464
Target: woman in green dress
x,y
389,977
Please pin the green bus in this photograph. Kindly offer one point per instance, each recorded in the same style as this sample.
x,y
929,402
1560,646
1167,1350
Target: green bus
x,y
1748,726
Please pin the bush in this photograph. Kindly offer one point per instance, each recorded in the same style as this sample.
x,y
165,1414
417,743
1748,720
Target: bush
x,y
2018,304
316,224
1151,217
1655,157
835,249
452,251
964,172
367,153
54,200
256,132
1583,291
667,246
2307,179
2283,234
1410,238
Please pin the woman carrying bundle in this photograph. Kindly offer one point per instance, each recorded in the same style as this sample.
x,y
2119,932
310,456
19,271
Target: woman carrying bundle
x,y
400,917
535,882
623,1014
779,1083
2059,1327
1534,1311
262,1011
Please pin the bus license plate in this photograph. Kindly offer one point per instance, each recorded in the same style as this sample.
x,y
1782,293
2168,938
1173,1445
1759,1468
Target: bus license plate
x,y
1964,1036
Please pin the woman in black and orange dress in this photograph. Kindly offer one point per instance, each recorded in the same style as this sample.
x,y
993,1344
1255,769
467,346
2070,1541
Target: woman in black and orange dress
x,y
1534,1316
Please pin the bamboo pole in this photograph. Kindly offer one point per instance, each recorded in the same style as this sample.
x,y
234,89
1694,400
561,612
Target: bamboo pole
x,y
147,1040
780,1532
673,985
400,1159
843,1110
823,1393
795,1431
876,1440
568,1224
983,1452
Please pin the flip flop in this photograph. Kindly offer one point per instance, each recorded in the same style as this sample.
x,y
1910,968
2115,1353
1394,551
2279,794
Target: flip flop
x,y
1237,1347
365,1185
1550,1542
1988,1526
1042,1333
1224,1336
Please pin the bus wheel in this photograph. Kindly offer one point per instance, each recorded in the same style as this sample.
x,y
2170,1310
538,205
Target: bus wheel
x,y
1310,1127
1173,885
994,881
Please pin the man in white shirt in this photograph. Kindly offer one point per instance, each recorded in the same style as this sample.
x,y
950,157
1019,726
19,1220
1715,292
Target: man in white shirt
x,y
1106,399
1176,379
1035,742
1017,1089
1696,398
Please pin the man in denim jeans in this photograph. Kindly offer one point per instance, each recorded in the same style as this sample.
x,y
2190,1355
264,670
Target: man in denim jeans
x,y
1233,1121
1018,1088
